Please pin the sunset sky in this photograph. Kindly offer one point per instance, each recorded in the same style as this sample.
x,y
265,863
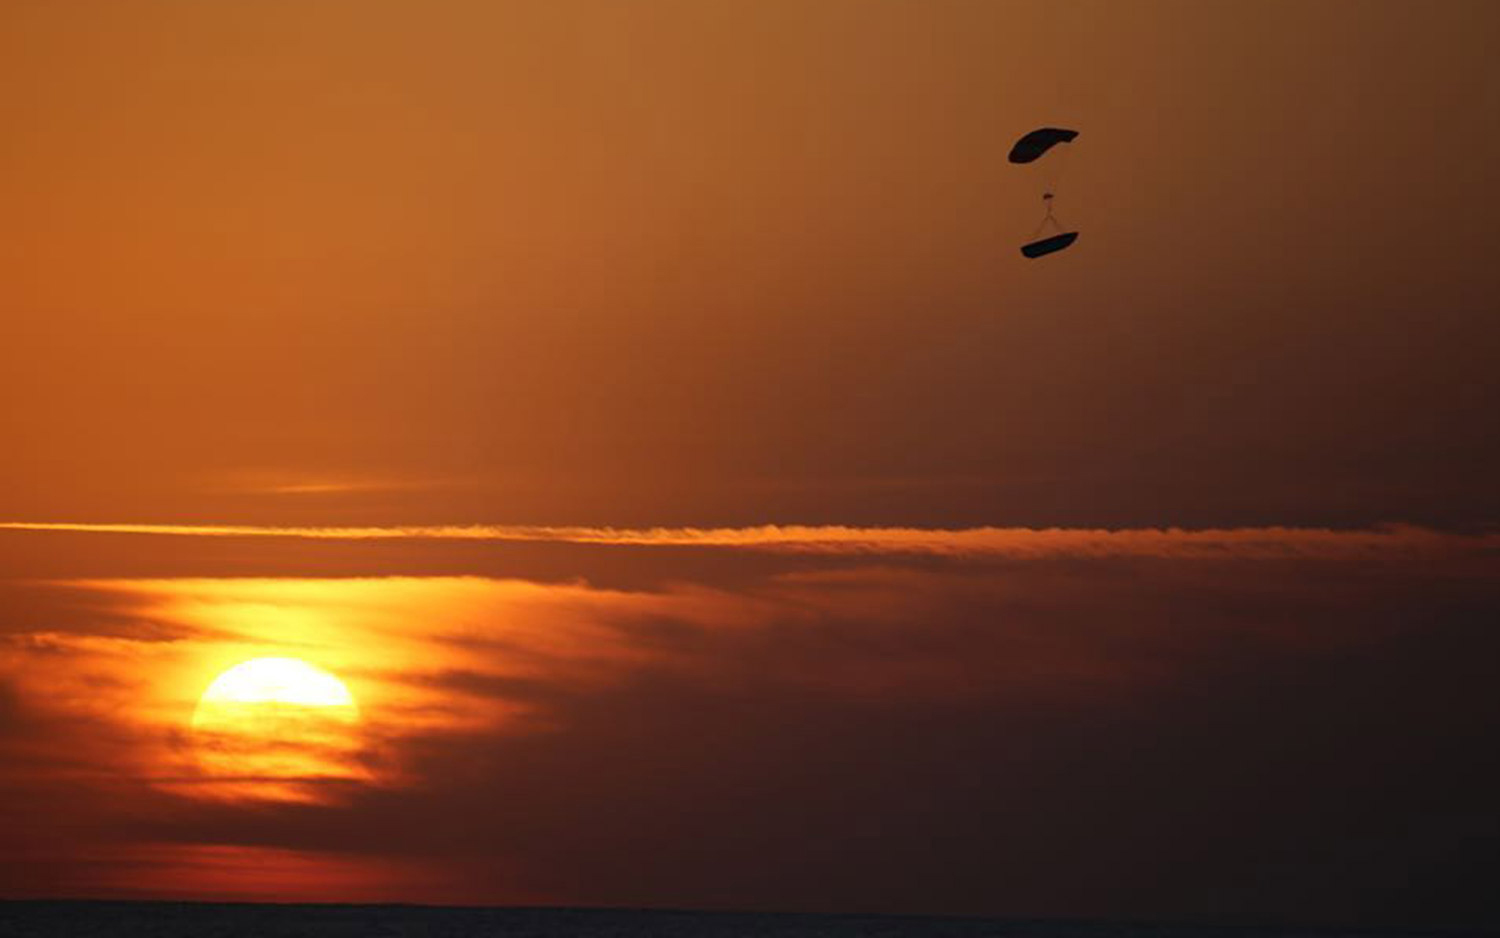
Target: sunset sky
x,y
635,424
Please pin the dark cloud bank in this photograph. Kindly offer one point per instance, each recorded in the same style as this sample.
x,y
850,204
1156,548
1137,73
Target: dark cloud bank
x,y
1265,739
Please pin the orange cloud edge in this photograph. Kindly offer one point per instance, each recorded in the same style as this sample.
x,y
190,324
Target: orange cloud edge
x,y
1013,542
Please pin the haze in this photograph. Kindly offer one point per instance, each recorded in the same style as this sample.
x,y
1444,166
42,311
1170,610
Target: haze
x,y
645,409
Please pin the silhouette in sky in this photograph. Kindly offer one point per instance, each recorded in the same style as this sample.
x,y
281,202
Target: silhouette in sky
x,y
1047,245
1029,148
1039,141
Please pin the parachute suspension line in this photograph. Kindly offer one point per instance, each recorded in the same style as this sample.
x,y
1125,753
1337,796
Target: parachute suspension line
x,y
1050,217
1052,175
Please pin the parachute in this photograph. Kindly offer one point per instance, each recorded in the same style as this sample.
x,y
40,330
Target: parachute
x,y
1039,141
1030,147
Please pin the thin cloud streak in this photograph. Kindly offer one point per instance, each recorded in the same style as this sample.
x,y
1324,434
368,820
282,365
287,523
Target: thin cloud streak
x,y
1014,543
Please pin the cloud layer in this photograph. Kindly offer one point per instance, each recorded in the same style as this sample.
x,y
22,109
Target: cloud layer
x,y
1146,724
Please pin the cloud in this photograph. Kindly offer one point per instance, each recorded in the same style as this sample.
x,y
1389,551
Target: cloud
x,y
1028,747
1016,543
1113,728
277,483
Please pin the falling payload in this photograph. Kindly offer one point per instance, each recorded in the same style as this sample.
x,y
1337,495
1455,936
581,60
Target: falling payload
x,y
1047,245
1029,148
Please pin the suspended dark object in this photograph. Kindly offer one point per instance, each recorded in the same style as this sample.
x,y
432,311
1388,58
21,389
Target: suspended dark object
x,y
1029,148
1047,245
1039,141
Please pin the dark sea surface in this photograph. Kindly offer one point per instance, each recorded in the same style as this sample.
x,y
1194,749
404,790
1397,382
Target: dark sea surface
x,y
213,920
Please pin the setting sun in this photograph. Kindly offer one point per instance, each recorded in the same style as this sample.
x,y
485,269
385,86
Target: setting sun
x,y
278,680
271,728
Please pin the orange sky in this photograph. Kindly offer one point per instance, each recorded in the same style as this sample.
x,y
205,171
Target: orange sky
x,y
730,263
644,410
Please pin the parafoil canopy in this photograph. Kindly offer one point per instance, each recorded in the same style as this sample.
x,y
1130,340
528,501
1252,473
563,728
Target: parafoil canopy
x,y
1039,141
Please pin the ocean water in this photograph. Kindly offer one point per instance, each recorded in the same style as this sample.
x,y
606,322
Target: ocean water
x,y
214,920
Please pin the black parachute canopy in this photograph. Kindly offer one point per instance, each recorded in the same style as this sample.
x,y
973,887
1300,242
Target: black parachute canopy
x,y
1047,245
1039,141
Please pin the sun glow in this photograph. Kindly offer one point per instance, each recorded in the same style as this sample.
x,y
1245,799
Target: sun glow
x,y
274,728
278,680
